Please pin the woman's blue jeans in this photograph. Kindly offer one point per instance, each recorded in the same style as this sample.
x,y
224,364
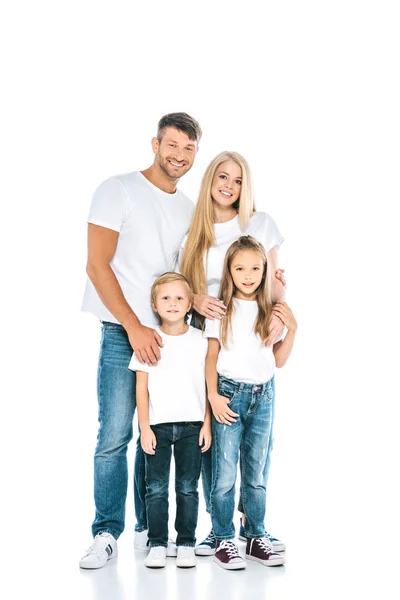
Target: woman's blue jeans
x,y
116,389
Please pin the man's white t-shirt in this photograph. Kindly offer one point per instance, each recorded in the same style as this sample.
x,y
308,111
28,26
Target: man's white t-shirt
x,y
151,224
261,226
247,359
177,388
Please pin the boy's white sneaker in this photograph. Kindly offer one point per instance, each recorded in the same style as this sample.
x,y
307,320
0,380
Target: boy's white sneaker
x,y
156,557
103,548
141,543
185,557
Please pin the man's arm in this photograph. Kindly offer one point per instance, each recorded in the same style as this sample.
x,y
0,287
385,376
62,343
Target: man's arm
x,y
102,243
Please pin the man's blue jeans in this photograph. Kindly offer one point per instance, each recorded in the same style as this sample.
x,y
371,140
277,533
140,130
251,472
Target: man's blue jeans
x,y
116,389
250,436
184,437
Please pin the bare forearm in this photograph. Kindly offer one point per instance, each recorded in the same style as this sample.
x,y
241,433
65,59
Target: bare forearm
x,y
278,292
283,349
142,405
110,292
211,375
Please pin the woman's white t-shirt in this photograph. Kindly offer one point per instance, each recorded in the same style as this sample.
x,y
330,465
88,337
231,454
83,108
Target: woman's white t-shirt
x,y
177,389
261,226
247,359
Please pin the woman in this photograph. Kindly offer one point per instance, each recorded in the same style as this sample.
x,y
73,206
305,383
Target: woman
x,y
224,212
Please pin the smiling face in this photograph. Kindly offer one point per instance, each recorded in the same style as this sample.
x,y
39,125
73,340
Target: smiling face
x,y
226,183
172,301
174,153
247,270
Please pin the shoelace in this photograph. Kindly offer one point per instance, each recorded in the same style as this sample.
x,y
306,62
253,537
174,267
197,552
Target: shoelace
x,y
265,544
210,538
99,543
230,548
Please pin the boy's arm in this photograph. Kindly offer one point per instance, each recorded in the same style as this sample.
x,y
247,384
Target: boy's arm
x,y
147,437
222,412
283,349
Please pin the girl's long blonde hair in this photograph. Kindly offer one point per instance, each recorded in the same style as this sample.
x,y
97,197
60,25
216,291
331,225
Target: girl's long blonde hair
x,y
263,293
201,233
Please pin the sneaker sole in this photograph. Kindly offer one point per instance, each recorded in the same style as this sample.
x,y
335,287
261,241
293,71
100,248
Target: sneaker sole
x,y
204,551
276,546
274,562
155,566
185,566
97,566
232,567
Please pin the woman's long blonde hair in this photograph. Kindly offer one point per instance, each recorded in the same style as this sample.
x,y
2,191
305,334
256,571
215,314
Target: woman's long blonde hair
x,y
201,233
263,293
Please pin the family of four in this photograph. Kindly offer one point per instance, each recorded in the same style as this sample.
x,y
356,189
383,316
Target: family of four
x,y
194,324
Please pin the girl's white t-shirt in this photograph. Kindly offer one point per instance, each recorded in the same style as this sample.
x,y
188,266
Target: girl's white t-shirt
x,y
261,226
247,359
177,389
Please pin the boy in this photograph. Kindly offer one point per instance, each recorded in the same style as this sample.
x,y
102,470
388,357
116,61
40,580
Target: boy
x,y
173,411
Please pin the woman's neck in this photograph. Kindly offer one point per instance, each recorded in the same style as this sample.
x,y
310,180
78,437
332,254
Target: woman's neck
x,y
222,214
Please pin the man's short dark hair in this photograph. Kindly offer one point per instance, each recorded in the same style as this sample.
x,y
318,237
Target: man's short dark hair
x,y
181,121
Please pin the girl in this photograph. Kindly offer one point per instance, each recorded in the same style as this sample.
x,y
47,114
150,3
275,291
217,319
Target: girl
x,y
240,376
226,210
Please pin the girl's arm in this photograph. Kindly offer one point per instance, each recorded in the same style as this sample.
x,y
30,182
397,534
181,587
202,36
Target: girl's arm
x,y
283,349
147,437
222,412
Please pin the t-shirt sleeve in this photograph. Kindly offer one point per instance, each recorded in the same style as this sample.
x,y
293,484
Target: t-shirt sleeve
x,y
109,206
212,329
180,254
270,233
135,365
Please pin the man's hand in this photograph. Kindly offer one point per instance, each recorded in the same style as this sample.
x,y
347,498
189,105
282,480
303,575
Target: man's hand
x,y
209,307
221,411
276,328
148,440
146,344
205,436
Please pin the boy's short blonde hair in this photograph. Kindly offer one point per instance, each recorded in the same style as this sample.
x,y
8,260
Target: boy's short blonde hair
x,y
169,278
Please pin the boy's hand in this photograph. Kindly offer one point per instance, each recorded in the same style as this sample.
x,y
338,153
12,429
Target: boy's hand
x,y
148,440
222,412
282,310
275,329
205,436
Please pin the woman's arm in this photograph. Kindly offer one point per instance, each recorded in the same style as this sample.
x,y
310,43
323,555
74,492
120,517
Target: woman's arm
x,y
278,291
283,349
222,413
147,437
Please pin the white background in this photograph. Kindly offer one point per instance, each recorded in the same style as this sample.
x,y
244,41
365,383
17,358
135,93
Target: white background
x,y
308,92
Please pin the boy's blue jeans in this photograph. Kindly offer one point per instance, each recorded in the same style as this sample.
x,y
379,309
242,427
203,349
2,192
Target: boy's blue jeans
x,y
250,437
116,388
184,437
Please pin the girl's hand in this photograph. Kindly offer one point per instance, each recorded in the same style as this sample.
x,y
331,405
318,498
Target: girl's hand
x,y
205,436
283,311
209,307
222,413
276,328
280,274
148,440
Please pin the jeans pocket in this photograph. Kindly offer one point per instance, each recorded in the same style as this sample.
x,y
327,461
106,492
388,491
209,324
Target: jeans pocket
x,y
229,393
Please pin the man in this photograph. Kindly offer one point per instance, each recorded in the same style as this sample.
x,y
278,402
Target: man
x,y
135,227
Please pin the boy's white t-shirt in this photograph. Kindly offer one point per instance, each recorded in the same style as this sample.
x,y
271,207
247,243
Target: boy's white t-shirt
x,y
261,226
247,359
151,224
177,389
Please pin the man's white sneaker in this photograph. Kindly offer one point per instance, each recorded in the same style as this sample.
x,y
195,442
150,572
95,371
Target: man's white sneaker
x,y
103,548
156,557
140,541
185,557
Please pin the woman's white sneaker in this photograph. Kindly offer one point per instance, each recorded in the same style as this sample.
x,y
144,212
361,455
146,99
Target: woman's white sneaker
x,y
185,557
103,548
156,558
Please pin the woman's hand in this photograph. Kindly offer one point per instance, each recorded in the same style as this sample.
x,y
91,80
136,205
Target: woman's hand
x,y
280,275
283,311
209,307
222,413
276,328
148,440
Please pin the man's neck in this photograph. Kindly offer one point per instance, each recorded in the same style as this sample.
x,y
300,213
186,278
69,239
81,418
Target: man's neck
x,y
158,178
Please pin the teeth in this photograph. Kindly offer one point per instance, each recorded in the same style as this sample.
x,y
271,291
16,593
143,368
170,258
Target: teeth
x,y
176,164
226,194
